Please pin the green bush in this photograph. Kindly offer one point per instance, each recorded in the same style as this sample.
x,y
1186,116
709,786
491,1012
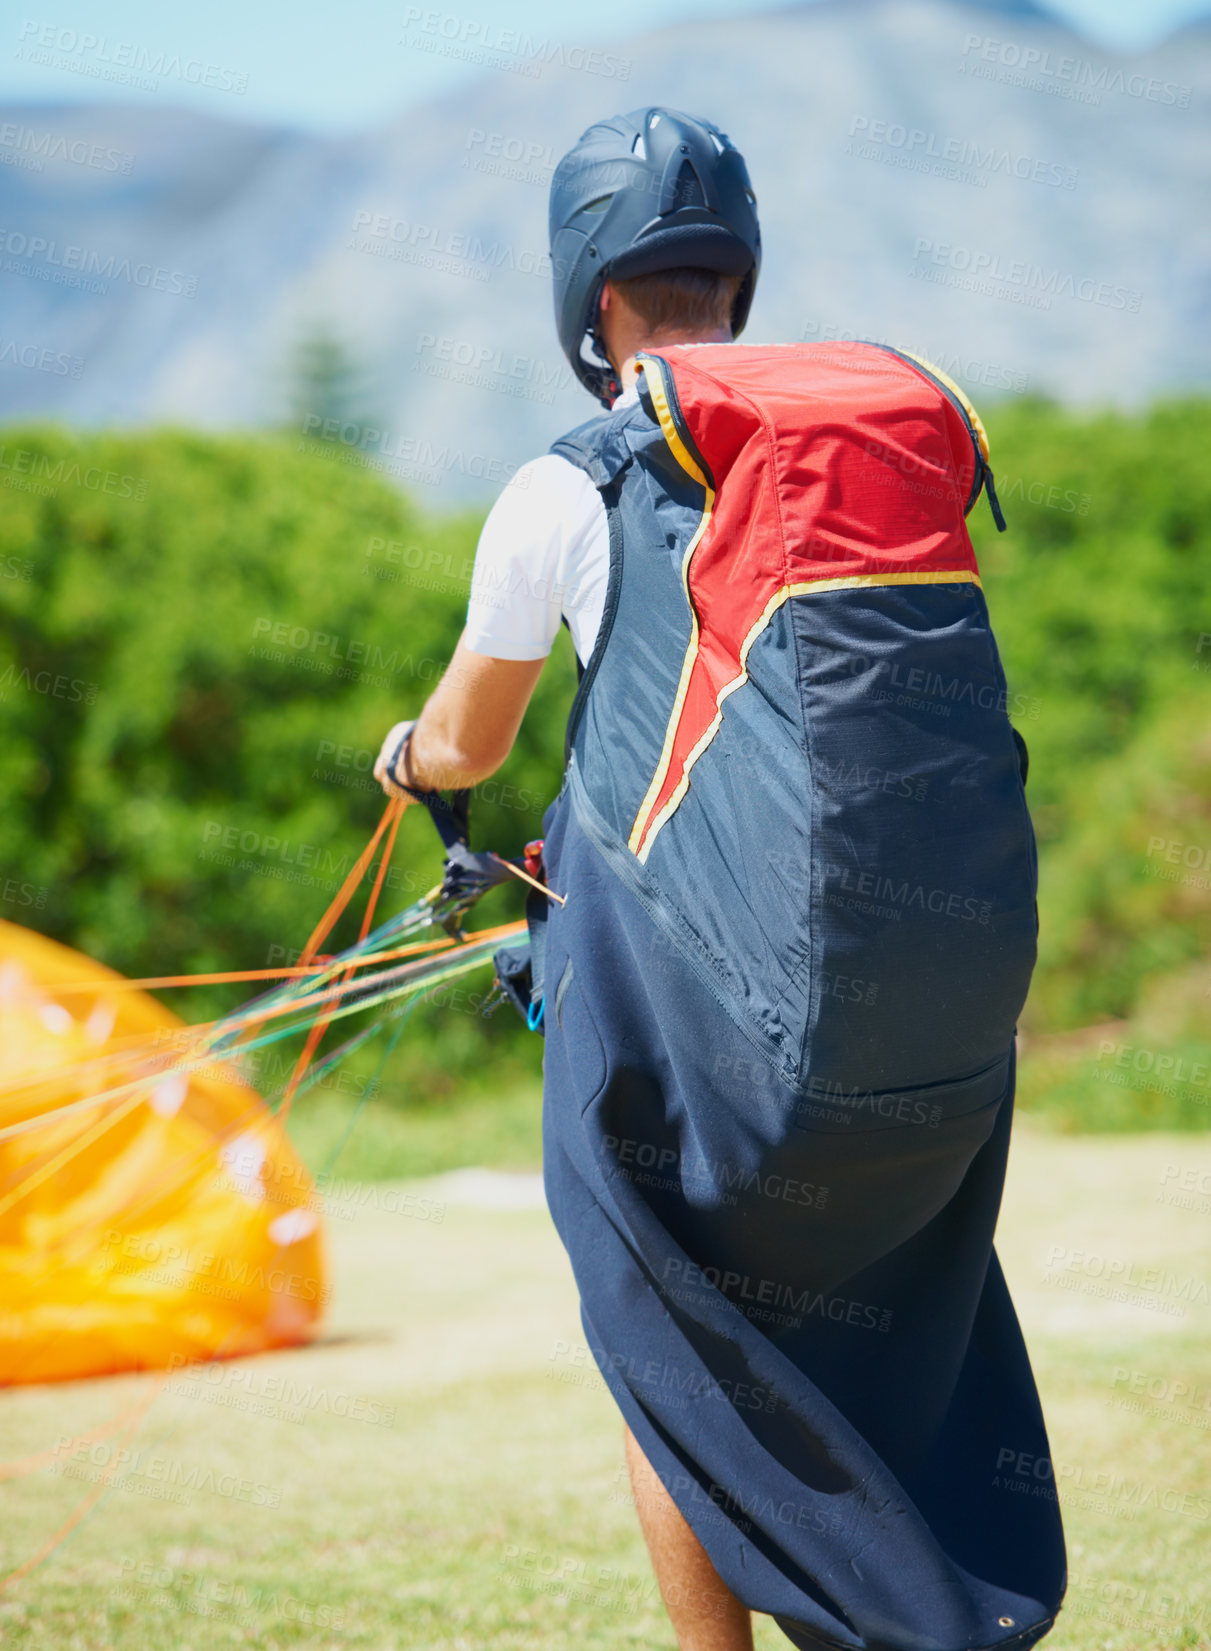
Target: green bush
x,y
202,644
203,641
1100,594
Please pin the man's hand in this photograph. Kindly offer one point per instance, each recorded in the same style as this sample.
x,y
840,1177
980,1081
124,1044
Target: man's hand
x,y
468,726
383,762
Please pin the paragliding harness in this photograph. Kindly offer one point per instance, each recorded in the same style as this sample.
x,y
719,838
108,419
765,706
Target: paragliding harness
x,y
900,438
468,874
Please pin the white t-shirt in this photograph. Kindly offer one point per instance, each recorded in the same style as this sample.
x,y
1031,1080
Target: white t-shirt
x,y
543,552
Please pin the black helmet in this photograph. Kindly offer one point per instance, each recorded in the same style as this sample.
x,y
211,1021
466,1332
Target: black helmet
x,y
651,190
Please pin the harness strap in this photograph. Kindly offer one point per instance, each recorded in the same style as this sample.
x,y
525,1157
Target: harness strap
x,y
452,819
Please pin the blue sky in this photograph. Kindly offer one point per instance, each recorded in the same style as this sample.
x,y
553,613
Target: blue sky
x,y
341,70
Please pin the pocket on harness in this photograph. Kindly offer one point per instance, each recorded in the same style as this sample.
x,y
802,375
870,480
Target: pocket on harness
x,y
576,1030
830,1106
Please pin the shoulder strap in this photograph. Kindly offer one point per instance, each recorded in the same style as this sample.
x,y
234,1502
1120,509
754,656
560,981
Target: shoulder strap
x,y
600,446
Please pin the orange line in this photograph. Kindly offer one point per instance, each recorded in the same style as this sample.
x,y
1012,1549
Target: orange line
x,y
69,1152
31,1464
392,811
533,881
155,982
316,1034
391,814
232,976
157,1384
91,1498
257,1111
258,1107
140,1047
133,1044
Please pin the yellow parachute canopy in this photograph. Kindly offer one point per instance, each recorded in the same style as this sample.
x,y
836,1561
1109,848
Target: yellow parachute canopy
x,y
166,1216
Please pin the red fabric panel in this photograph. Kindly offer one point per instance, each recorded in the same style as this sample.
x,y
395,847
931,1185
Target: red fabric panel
x,y
828,460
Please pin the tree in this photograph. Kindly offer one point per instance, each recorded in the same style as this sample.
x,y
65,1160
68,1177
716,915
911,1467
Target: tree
x,y
328,382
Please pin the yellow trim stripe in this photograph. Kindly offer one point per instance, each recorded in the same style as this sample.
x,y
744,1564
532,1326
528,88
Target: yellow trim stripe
x,y
808,587
956,576
684,458
659,394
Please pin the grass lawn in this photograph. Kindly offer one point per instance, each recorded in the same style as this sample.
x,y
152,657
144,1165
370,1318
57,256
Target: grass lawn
x,y
442,1471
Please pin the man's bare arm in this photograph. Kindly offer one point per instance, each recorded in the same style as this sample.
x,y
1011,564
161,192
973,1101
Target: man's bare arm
x,y
469,722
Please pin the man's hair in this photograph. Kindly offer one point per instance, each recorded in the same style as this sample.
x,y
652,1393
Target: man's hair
x,y
686,299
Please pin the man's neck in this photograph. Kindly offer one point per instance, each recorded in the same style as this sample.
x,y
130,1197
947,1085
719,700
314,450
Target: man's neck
x,y
629,374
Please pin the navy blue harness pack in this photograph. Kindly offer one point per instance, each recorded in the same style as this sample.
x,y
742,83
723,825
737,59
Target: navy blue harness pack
x,y
780,998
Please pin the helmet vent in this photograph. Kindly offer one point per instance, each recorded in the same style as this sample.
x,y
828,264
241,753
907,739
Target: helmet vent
x,y
687,190
639,147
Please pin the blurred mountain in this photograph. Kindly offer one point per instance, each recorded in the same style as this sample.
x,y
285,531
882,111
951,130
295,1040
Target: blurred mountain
x,y
971,181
